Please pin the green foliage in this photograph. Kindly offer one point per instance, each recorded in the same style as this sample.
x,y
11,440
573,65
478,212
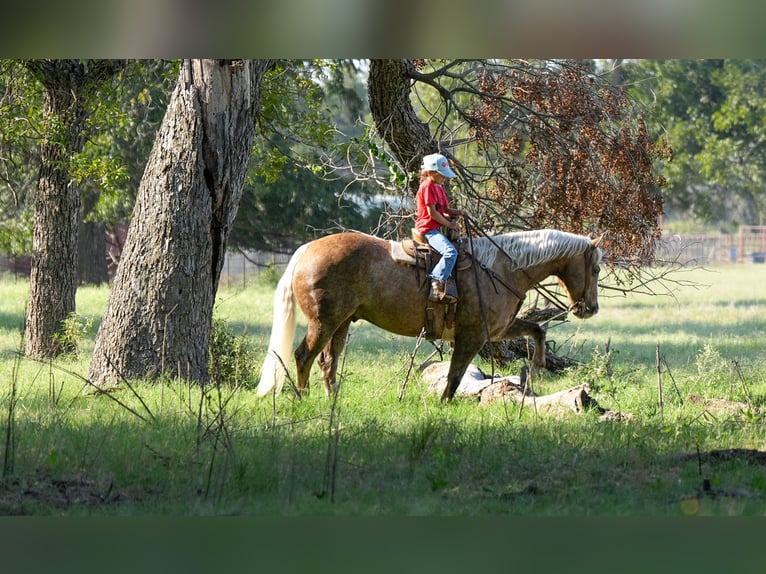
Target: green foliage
x,y
232,357
16,233
123,115
125,119
310,111
73,332
269,277
713,369
293,209
598,371
713,115
20,128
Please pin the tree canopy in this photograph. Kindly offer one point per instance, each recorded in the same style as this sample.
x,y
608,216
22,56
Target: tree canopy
x,y
122,121
713,115
579,145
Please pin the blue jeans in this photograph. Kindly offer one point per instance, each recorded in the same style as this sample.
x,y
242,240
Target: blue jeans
x,y
443,269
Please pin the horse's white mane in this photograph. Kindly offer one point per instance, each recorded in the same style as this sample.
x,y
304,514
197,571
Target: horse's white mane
x,y
530,248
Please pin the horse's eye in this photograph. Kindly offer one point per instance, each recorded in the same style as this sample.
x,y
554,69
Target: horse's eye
x,y
596,270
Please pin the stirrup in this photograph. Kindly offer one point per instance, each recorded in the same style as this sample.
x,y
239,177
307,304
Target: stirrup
x,y
450,291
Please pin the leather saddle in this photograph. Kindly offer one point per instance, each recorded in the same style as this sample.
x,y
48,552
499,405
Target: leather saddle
x,y
416,251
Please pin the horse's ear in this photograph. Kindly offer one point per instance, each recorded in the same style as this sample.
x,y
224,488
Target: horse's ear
x,y
597,241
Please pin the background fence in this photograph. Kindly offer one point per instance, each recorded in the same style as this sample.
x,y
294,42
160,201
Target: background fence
x,y
745,247
748,245
242,268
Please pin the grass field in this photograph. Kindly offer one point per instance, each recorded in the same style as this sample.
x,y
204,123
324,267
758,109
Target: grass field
x,y
172,448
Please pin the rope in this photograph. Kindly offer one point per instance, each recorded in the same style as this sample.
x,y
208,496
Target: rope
x,y
482,307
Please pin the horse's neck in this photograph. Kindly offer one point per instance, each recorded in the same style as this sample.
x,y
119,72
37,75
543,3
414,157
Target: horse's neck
x,y
530,276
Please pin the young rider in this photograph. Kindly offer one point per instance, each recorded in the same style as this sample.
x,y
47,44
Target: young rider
x,y
432,213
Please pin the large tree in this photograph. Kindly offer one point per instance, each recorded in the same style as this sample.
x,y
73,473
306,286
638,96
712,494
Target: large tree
x,y
535,143
68,87
159,312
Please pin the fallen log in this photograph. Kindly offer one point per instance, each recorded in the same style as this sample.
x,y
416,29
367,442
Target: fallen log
x,y
724,407
511,388
575,399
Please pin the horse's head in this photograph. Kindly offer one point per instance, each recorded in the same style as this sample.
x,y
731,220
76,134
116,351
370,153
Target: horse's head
x,y
580,280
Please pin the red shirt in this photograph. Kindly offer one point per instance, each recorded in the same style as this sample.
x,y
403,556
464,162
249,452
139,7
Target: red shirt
x,y
429,193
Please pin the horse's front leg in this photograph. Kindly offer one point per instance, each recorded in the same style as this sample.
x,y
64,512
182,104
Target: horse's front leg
x,y
462,355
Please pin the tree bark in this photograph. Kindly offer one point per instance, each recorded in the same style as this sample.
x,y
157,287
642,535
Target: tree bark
x,y
395,119
159,313
53,275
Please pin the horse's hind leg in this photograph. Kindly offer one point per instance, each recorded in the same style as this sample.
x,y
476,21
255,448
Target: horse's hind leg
x,y
316,338
330,341
328,358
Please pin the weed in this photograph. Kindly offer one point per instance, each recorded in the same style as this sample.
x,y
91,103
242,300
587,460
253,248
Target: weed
x,y
269,276
74,329
232,358
713,370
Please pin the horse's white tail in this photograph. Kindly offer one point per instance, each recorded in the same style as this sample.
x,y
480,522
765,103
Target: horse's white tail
x,y
282,332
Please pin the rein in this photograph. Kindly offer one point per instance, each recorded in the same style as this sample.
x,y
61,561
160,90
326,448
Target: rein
x,y
491,272
479,293
542,290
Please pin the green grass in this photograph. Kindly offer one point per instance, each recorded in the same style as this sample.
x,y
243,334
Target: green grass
x,y
173,448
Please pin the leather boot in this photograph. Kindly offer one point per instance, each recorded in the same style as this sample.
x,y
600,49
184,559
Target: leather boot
x,y
437,290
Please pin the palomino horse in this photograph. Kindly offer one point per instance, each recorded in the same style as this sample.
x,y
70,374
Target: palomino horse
x,y
348,276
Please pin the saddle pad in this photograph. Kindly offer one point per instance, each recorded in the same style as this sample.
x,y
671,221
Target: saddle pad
x,y
399,255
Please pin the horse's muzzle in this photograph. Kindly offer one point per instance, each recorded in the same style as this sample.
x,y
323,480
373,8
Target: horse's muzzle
x,y
582,310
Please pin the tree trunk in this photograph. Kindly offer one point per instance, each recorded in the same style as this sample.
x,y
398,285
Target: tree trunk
x,y
395,119
54,244
91,252
57,210
67,83
159,313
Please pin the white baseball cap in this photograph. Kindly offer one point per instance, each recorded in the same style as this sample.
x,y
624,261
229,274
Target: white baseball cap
x,y
437,162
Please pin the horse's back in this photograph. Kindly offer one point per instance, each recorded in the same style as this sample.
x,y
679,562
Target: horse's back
x,y
353,274
339,259
346,244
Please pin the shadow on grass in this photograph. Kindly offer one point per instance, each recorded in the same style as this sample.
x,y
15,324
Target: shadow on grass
x,y
415,457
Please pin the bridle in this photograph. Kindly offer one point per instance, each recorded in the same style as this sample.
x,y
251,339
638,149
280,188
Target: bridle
x,y
580,304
